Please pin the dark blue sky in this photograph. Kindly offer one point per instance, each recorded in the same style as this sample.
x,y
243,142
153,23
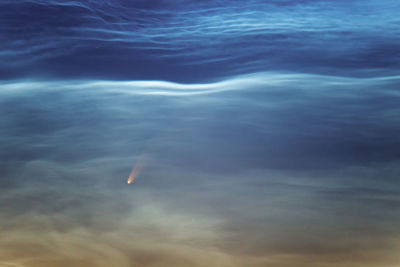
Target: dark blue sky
x,y
257,133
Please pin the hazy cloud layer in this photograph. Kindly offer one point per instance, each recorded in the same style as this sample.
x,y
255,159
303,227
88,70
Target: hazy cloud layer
x,y
296,170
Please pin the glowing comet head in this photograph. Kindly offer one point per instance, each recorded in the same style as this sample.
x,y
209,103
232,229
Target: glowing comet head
x,y
131,177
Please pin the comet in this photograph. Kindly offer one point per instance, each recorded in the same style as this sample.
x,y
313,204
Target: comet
x,y
135,171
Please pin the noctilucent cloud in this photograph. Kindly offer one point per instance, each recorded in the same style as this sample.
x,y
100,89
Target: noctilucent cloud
x,y
199,133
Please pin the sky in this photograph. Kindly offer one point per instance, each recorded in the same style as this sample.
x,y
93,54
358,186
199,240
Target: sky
x,y
199,133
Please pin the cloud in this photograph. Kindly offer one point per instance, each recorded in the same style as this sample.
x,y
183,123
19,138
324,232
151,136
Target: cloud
x,y
191,41
194,222
266,169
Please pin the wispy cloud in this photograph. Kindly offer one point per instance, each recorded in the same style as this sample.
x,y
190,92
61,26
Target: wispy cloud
x,y
207,39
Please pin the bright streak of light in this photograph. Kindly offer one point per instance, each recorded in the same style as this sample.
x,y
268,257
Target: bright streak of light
x,y
135,172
